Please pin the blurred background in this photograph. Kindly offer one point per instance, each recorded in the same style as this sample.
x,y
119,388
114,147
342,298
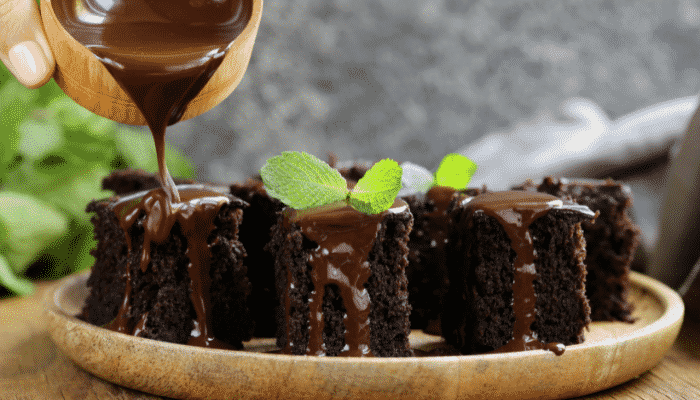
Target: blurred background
x,y
406,79
414,80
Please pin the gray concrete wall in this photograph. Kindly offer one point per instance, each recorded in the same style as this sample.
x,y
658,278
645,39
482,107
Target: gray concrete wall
x,y
413,80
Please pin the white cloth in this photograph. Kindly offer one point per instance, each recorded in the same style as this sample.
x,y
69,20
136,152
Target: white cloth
x,y
575,146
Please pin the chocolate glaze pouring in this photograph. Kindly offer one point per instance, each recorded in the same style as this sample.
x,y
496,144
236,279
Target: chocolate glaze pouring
x,y
162,53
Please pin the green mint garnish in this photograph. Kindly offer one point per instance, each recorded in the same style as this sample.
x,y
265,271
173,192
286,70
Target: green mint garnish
x,y
302,181
455,171
377,189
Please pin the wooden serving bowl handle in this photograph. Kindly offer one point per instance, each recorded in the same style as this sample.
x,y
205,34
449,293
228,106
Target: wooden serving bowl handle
x,y
83,77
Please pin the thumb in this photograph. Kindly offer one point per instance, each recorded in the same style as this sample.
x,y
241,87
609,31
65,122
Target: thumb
x,y
23,46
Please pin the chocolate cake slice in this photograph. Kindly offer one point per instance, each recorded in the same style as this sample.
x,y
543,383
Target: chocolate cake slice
x,y
428,278
516,273
165,293
427,275
610,242
341,279
254,233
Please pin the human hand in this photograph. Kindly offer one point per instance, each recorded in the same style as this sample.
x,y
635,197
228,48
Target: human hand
x,y
23,46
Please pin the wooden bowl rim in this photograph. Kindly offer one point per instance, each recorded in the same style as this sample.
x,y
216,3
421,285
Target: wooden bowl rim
x,y
197,106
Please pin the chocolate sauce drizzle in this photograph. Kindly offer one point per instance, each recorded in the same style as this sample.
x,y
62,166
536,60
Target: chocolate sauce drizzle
x,y
345,238
516,211
195,214
162,53
441,197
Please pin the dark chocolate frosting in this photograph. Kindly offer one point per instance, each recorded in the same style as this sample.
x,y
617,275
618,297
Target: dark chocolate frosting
x,y
441,196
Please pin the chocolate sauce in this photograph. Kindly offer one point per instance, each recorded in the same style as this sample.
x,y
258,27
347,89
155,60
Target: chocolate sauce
x,y
345,238
195,214
161,52
441,197
516,211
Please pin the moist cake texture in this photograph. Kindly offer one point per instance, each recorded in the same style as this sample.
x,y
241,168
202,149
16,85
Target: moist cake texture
x,y
610,242
169,297
428,278
341,278
516,273
254,233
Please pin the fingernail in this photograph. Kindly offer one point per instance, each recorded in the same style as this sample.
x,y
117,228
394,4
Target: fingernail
x,y
29,63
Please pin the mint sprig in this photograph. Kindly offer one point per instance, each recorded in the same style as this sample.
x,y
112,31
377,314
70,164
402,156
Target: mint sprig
x,y
455,171
377,189
302,181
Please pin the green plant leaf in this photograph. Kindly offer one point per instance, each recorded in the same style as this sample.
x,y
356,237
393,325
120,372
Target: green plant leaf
x,y
455,171
179,165
55,153
377,189
302,181
30,225
73,195
38,138
10,280
70,253
15,105
137,149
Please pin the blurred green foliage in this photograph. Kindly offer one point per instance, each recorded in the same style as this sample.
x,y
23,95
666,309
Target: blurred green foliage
x,y
53,157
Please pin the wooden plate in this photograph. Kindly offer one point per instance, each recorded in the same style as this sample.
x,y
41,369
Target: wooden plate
x,y
612,354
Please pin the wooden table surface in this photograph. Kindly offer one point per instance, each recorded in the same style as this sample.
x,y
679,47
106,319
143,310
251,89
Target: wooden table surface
x,y
31,367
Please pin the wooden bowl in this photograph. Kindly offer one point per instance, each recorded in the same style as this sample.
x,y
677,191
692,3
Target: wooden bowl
x,y
83,77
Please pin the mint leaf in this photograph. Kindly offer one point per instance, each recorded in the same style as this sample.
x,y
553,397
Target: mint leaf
x,y
302,181
377,189
455,171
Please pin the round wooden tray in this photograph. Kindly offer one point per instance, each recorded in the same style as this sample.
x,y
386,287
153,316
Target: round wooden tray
x,y
613,353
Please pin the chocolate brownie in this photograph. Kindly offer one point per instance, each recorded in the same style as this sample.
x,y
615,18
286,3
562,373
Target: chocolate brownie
x,y
516,273
610,241
254,233
341,279
125,181
428,279
165,293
